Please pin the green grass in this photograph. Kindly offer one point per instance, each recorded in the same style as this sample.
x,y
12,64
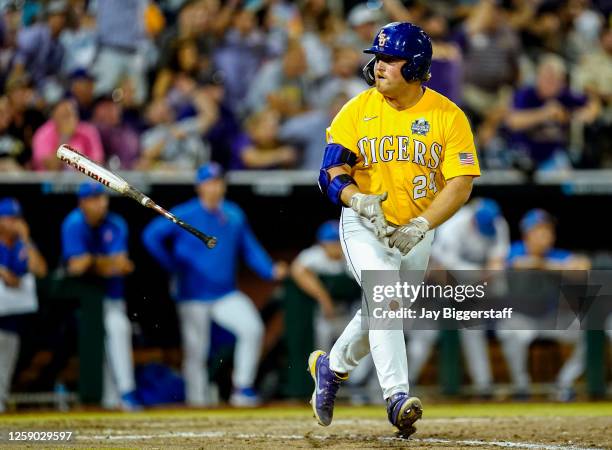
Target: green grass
x,y
598,409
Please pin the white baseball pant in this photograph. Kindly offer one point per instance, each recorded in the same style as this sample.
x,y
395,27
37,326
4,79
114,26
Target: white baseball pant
x,y
235,312
475,351
515,345
363,251
118,368
9,350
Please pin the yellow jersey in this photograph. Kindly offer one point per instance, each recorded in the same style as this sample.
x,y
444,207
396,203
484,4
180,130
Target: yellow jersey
x,y
409,154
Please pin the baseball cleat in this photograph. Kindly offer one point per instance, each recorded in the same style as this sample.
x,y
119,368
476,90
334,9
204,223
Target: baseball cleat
x,y
130,402
245,398
403,411
326,383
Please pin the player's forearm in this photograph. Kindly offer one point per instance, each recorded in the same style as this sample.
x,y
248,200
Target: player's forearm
x,y
454,195
9,278
79,265
309,283
348,191
112,266
36,262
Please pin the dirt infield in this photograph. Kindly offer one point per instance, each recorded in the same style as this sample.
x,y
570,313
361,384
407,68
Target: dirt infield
x,y
530,426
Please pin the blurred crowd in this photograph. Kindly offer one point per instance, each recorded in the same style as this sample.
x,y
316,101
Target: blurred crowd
x,y
171,84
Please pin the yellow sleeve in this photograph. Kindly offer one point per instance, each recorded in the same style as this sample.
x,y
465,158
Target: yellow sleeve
x,y
343,129
460,156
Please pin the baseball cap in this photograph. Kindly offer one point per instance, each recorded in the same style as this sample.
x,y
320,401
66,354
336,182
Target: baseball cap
x,y
207,171
9,207
80,74
362,14
487,211
90,189
328,231
535,217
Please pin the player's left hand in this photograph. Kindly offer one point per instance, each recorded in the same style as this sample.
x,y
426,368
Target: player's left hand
x,y
407,236
369,206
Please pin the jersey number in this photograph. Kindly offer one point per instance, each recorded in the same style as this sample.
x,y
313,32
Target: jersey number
x,y
420,185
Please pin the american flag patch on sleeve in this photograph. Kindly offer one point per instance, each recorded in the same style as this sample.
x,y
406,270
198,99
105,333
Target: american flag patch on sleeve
x,y
466,159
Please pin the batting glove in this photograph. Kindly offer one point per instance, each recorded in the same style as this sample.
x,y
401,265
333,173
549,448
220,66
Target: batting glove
x,y
407,236
369,206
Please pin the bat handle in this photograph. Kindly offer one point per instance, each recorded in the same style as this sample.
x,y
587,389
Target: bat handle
x,y
210,241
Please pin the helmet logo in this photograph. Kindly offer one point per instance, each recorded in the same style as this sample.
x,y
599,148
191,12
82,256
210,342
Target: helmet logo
x,y
382,39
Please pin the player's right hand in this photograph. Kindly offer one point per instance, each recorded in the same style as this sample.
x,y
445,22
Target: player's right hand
x,y
370,207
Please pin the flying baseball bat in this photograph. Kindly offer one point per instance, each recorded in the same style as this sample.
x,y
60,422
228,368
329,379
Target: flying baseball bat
x,y
116,183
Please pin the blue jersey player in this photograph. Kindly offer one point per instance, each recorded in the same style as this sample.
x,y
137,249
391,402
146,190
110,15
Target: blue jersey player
x,y
206,287
94,241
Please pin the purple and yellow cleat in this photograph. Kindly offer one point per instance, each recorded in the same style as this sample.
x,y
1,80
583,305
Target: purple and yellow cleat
x,y
326,383
403,411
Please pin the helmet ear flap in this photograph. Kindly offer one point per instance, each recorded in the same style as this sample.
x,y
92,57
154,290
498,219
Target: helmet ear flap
x,y
368,72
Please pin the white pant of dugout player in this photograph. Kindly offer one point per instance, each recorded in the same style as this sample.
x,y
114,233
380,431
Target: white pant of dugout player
x,y
516,342
363,251
9,351
475,351
235,312
118,368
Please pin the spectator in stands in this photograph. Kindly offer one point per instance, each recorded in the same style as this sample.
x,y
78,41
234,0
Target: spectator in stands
x,y
306,132
363,22
121,46
178,79
120,141
593,76
39,51
11,147
537,252
281,84
240,54
175,145
26,114
342,79
484,245
491,57
222,133
318,40
259,147
206,283
20,261
194,21
94,242
10,24
447,61
540,116
82,90
64,127
79,40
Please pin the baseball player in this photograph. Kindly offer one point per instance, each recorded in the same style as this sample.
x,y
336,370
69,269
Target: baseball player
x,y
537,252
95,242
476,238
19,259
401,160
206,288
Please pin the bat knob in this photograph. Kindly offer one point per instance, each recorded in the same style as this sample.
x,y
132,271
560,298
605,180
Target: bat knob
x,y
210,243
